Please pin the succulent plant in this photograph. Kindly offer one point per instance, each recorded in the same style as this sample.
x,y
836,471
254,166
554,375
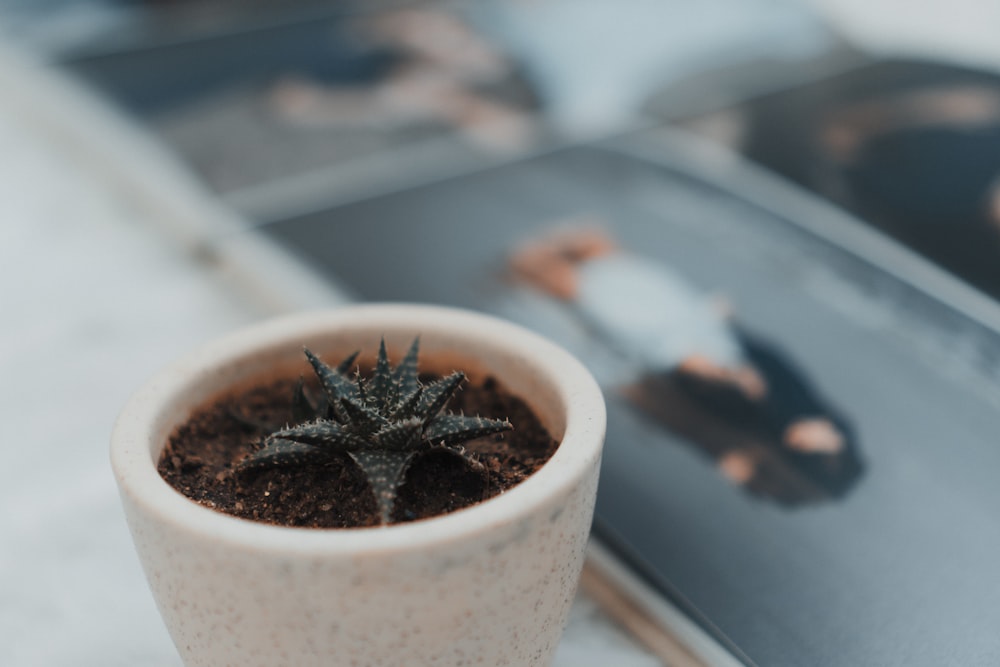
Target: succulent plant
x,y
381,422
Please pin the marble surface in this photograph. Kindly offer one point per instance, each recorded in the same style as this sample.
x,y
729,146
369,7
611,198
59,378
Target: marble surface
x,y
103,283
100,285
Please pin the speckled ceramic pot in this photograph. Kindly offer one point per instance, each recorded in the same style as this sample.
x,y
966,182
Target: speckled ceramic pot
x,y
487,585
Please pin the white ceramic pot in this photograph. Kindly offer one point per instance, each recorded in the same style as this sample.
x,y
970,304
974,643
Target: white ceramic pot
x,y
491,584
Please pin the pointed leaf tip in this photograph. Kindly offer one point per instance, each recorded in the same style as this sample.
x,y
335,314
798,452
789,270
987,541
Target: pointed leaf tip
x,y
278,451
455,429
385,471
345,366
381,385
406,375
335,384
437,394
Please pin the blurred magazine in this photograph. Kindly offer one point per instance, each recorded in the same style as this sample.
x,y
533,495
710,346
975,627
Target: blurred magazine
x,y
911,147
802,449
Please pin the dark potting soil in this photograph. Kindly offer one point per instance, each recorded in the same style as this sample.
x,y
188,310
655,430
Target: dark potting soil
x,y
201,456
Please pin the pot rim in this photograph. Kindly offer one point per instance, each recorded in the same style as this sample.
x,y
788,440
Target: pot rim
x,y
578,452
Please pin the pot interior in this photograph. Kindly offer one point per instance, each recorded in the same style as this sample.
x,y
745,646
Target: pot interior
x,y
238,369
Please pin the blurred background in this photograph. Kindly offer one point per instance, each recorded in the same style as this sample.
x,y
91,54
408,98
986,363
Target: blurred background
x,y
281,108
169,168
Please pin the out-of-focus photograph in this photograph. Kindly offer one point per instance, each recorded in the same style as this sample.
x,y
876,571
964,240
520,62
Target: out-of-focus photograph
x,y
508,332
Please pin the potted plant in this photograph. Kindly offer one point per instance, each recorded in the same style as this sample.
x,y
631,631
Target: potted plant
x,y
490,584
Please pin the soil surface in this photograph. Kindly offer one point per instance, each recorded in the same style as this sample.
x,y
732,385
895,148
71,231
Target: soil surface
x,y
201,456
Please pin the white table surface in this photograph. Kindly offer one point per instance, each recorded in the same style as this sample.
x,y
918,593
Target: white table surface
x,y
104,279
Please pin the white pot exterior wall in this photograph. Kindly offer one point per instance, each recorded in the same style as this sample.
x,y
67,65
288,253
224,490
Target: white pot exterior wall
x,y
488,585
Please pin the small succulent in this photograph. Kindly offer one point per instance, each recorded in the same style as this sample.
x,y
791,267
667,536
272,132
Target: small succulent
x,y
381,422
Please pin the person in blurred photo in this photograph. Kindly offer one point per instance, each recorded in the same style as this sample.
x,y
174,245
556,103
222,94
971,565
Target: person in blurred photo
x,y
738,398
442,72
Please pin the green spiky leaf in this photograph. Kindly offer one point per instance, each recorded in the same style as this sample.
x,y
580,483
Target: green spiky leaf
x,y
454,429
281,452
381,385
437,394
406,377
362,417
382,422
385,471
407,407
401,436
322,433
344,367
302,408
335,384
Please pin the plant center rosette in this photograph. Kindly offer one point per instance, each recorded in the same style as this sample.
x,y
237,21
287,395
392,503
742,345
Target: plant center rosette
x,y
350,449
